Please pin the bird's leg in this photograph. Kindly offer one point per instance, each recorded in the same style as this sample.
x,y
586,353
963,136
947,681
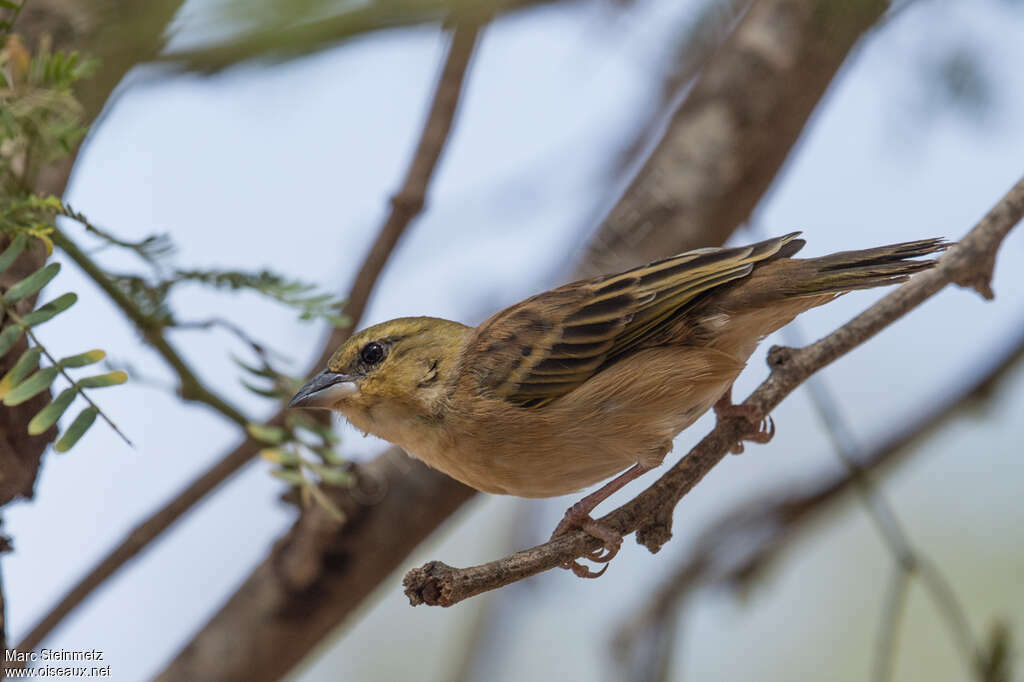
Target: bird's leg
x,y
761,429
578,516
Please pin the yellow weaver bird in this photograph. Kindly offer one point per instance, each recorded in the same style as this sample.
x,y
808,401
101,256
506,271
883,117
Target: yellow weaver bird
x,y
576,384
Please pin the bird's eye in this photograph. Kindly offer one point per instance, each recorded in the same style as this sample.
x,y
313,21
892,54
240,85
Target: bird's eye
x,y
372,353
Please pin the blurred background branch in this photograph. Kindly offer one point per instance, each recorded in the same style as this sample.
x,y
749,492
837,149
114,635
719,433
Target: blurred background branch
x,y
741,547
283,35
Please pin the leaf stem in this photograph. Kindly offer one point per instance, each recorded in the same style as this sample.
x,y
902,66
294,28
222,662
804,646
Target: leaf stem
x,y
190,387
18,320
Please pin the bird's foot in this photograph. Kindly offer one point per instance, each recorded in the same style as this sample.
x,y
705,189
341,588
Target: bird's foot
x,y
578,516
761,429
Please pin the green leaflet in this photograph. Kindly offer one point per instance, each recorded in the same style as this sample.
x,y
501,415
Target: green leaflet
x,y
49,415
317,494
101,380
292,476
82,359
33,283
31,387
333,475
285,458
26,364
266,393
12,252
8,337
77,429
50,310
273,435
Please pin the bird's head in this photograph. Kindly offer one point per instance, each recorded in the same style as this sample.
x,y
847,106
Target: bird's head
x,y
404,364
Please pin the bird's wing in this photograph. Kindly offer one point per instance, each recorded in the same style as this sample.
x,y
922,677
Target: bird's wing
x,y
540,349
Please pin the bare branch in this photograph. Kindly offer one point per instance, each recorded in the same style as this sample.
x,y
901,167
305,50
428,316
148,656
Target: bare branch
x,y
968,263
413,190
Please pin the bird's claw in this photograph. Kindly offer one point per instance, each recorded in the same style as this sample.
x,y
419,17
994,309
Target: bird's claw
x,y
762,427
612,541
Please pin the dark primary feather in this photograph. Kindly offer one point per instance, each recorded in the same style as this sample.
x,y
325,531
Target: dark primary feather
x,y
548,345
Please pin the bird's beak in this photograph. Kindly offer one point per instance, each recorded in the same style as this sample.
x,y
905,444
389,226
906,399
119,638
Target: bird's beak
x,y
324,390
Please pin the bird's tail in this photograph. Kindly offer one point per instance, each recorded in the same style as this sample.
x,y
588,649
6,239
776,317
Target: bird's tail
x,y
792,285
863,269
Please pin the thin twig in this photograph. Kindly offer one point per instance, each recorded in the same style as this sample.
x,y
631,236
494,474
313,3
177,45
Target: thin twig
x,y
777,518
229,326
968,263
892,619
436,129
953,613
190,387
908,559
288,41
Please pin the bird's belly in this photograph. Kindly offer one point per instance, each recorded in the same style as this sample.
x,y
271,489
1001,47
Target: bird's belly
x,y
528,469
609,423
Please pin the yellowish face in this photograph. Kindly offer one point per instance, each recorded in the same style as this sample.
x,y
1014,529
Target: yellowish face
x,y
400,362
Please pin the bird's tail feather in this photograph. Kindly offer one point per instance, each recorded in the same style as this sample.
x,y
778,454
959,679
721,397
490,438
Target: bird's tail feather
x,y
864,269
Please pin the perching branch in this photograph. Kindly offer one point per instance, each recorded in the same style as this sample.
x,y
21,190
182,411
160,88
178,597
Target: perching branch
x,y
434,134
968,263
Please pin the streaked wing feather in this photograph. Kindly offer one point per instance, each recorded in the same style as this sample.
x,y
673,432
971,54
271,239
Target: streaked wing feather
x,y
548,345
